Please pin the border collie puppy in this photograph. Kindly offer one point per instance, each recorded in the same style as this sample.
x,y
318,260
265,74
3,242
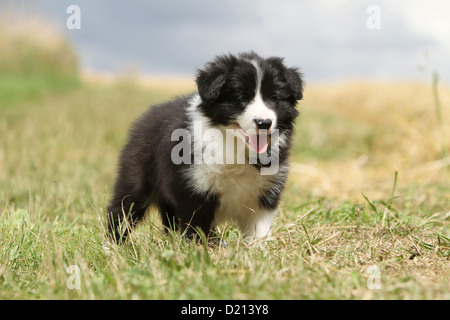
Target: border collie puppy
x,y
217,155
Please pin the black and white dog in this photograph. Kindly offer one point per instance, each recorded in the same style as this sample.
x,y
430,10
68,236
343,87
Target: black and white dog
x,y
217,155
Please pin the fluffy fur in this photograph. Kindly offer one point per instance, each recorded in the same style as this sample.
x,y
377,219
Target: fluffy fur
x,y
237,95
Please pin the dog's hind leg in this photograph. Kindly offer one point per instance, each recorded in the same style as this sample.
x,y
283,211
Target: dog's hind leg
x,y
169,220
123,215
129,203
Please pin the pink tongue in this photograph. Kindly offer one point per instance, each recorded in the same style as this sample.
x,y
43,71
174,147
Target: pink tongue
x,y
261,145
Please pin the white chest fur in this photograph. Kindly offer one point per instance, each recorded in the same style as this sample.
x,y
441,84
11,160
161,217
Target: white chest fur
x,y
238,188
237,185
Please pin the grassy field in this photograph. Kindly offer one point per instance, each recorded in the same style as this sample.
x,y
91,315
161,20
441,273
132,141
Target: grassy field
x,y
365,215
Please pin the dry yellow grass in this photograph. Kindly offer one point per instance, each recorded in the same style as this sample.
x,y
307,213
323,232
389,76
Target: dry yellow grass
x,y
407,138
168,84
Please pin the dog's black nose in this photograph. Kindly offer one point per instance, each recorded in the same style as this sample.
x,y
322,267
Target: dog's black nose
x,y
263,123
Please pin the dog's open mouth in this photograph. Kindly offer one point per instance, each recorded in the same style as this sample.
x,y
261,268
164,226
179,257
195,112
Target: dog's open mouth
x,y
258,141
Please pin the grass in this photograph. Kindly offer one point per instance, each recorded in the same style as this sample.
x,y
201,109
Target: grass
x,y
437,105
368,187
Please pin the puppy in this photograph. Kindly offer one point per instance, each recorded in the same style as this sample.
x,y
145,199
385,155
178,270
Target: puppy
x,y
219,154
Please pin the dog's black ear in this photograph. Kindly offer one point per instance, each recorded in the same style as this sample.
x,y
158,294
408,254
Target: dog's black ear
x,y
213,77
295,82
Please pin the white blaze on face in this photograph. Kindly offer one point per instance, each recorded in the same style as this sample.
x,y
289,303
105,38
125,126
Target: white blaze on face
x,y
256,109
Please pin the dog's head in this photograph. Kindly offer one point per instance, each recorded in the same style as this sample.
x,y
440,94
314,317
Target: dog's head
x,y
251,94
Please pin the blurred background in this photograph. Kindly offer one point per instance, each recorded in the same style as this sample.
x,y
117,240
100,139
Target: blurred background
x,y
329,40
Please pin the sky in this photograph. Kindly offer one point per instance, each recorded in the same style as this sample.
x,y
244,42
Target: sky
x,y
328,40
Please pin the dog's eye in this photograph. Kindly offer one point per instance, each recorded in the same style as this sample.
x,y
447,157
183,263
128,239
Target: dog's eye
x,y
242,98
274,98
278,98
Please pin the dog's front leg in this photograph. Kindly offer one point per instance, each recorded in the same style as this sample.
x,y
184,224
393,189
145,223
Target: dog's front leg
x,y
258,226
